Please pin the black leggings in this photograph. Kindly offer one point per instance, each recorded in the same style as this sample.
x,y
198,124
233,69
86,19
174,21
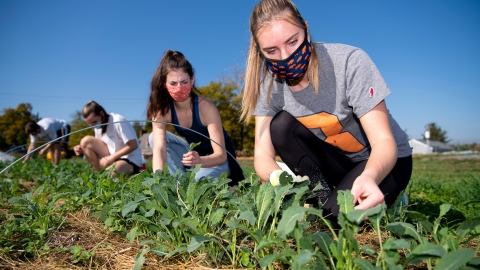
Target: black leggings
x,y
305,154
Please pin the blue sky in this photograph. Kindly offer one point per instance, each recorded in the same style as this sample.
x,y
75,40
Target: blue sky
x,y
58,55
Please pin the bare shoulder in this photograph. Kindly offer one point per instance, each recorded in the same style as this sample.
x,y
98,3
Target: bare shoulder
x,y
161,119
207,106
208,112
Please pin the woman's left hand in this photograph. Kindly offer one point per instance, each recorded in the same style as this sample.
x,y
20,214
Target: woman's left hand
x,y
366,192
191,159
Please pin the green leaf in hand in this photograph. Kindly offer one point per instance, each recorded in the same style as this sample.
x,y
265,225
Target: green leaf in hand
x,y
193,145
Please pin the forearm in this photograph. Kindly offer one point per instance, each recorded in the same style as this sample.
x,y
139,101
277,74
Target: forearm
x,y
159,158
129,147
382,160
213,160
29,150
264,155
264,164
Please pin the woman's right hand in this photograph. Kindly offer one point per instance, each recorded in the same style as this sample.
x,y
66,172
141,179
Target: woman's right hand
x,y
191,159
78,150
366,192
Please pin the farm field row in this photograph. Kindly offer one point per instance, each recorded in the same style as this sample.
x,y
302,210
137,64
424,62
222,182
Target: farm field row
x,y
67,216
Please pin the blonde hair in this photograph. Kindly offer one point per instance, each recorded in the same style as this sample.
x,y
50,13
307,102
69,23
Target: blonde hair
x,y
263,13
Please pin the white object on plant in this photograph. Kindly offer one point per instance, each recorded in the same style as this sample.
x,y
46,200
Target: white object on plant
x,y
299,178
296,178
284,167
274,177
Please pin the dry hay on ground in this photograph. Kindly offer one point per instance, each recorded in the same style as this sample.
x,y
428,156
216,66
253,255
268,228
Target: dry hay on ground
x,y
112,251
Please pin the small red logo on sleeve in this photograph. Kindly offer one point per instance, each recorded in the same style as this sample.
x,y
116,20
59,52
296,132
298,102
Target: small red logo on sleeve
x,y
371,91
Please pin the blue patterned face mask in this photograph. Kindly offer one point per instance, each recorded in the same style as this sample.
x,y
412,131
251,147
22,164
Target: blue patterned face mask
x,y
294,66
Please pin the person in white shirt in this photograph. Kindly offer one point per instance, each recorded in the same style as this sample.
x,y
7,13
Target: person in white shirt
x,y
114,145
46,130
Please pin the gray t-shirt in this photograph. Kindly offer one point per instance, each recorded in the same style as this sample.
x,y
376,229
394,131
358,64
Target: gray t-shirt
x,y
350,86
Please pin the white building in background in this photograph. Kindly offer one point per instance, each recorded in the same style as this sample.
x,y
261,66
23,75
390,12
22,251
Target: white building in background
x,y
428,147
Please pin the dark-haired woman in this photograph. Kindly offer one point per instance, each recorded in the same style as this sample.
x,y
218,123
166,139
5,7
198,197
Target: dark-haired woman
x,y
175,99
114,145
322,108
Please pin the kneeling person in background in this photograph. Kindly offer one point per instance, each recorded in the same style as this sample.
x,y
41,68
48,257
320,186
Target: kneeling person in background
x,y
46,130
114,145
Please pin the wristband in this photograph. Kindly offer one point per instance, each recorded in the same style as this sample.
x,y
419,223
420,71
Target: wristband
x,y
274,177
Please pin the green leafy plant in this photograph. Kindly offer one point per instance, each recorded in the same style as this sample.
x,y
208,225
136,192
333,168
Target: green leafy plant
x,y
193,145
80,255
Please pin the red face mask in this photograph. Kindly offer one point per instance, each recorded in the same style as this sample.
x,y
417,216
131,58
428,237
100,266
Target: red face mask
x,y
180,92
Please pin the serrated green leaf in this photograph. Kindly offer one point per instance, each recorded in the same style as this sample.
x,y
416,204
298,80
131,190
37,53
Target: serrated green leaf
x,y
455,259
197,241
369,250
19,200
425,251
444,208
161,195
140,259
190,194
248,216
159,250
193,145
280,193
299,190
323,240
302,259
176,251
363,264
358,216
264,204
402,228
129,207
289,220
345,201
109,222
150,213
467,226
217,216
234,224
265,261
416,215
395,244
190,222
55,198
202,194
140,218
132,234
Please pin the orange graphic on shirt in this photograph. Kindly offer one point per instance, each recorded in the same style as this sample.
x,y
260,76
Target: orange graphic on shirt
x,y
332,129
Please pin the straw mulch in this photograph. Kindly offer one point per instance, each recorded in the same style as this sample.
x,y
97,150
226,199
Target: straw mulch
x,y
112,251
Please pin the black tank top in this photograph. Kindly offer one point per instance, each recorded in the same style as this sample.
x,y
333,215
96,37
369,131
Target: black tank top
x,y
205,147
